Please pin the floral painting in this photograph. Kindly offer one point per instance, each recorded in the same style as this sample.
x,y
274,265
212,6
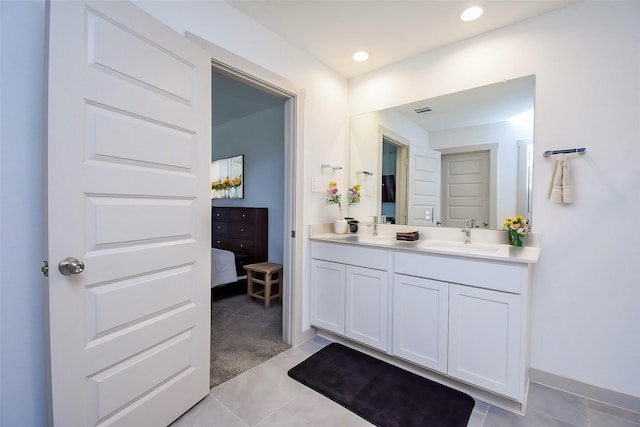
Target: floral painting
x,y
227,179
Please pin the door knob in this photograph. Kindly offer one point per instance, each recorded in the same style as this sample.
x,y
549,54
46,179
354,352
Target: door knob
x,y
70,265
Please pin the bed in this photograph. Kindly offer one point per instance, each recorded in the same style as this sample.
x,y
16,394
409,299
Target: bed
x,y
223,267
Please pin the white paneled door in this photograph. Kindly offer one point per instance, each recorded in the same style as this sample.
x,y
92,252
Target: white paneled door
x,y
466,188
128,195
424,186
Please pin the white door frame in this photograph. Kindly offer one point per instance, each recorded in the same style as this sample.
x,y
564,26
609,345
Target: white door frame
x,y
267,81
401,172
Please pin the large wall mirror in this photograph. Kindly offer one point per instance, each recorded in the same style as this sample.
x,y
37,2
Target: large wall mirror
x,y
444,160
227,178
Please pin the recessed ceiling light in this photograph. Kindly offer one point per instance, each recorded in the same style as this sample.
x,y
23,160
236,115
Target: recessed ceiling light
x,y
471,13
360,56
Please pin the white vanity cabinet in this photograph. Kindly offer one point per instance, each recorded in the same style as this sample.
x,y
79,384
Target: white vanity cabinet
x,y
327,295
420,321
367,298
485,338
464,319
485,318
350,292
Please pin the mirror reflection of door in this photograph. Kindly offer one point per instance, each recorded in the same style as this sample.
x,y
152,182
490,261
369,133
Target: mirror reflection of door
x,y
393,208
466,188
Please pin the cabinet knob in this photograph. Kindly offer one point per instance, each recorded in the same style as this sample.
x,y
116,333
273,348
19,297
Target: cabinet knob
x,y
242,230
241,245
243,215
218,242
218,227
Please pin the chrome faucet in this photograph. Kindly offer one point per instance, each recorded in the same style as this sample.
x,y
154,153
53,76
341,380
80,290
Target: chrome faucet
x,y
468,225
375,225
467,231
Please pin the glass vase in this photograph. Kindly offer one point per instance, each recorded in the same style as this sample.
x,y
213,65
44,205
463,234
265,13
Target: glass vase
x,y
516,239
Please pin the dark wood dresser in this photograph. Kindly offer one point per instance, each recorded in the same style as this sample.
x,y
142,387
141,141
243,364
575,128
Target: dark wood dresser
x,y
243,231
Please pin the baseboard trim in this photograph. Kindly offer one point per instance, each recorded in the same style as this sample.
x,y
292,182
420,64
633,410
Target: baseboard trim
x,y
610,397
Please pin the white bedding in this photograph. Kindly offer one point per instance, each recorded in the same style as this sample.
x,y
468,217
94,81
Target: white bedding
x,y
223,267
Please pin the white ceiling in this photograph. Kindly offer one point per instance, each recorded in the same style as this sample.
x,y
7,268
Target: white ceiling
x,y
391,30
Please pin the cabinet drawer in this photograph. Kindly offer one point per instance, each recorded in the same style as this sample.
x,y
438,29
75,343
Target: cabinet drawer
x,y
221,214
221,227
244,215
377,259
501,276
241,246
241,230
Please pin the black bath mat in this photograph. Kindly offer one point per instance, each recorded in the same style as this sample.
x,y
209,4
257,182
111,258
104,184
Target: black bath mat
x,y
383,394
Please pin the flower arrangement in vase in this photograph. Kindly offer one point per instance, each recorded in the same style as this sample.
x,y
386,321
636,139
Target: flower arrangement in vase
x,y
353,195
517,227
335,198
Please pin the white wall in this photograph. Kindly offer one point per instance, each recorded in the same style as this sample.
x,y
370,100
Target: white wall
x,y
585,321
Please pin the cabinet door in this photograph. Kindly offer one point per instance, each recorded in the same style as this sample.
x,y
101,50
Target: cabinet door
x,y
484,338
420,321
327,295
367,306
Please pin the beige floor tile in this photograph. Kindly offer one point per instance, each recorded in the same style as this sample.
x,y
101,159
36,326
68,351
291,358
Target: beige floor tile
x,y
290,358
324,412
209,412
285,418
257,393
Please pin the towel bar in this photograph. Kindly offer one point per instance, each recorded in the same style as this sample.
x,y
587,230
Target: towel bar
x,y
578,150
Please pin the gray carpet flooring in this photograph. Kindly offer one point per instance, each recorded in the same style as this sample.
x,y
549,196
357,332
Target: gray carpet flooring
x,y
243,335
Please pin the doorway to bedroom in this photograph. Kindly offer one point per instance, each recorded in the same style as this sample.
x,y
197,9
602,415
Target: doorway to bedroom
x,y
247,122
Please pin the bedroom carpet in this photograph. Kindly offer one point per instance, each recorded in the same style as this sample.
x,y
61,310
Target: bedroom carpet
x,y
381,393
243,335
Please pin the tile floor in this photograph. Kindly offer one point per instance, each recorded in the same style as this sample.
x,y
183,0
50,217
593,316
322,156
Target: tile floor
x,y
265,396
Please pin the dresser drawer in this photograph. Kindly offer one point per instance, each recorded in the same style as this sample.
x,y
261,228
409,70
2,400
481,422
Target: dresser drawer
x,y
220,214
221,227
244,215
243,231
241,246
221,243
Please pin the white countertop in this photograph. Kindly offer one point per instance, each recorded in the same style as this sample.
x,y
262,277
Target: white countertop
x,y
481,250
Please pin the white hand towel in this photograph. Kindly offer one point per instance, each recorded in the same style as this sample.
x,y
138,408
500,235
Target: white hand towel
x,y
567,188
561,188
556,184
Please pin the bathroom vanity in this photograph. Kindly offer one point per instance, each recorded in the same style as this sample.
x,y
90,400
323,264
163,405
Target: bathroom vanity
x,y
460,313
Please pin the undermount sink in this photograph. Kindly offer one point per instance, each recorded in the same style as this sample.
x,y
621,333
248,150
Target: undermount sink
x,y
439,245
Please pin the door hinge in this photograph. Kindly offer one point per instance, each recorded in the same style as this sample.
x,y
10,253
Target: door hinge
x,y
45,268
293,234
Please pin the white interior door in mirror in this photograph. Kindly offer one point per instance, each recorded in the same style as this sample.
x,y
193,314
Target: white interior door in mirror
x,y
466,189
